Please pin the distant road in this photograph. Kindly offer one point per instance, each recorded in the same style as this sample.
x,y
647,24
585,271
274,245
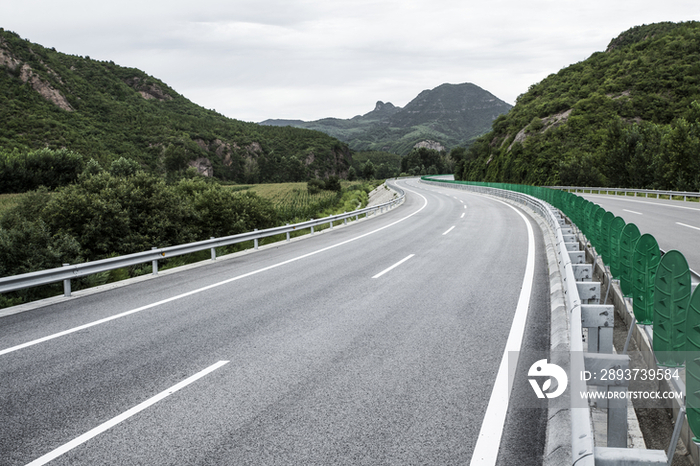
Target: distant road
x,y
376,343
674,224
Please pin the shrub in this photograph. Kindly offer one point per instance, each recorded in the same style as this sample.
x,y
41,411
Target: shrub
x,y
315,186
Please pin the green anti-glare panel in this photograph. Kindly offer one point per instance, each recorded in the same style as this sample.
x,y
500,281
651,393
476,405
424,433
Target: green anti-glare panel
x,y
692,365
605,223
645,260
585,218
595,227
671,298
616,227
577,212
588,218
628,240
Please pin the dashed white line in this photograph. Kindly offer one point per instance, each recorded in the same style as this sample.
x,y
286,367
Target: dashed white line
x,y
463,215
689,226
449,230
633,212
393,266
208,287
122,417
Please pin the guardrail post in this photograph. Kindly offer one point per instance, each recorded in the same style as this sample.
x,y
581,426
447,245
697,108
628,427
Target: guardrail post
x,y
213,252
312,227
287,233
255,241
154,264
66,284
617,405
599,319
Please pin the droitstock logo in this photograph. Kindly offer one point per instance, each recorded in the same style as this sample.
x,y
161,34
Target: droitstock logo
x,y
543,369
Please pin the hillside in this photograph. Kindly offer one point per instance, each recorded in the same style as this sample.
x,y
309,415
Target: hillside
x,y
624,117
105,111
450,115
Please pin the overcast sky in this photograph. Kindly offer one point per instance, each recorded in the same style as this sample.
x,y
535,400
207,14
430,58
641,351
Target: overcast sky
x,y
309,59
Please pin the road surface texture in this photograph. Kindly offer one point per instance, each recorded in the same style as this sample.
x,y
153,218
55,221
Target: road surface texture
x,y
674,224
374,343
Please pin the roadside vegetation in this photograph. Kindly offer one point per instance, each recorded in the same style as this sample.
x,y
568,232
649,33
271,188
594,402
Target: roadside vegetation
x,y
123,210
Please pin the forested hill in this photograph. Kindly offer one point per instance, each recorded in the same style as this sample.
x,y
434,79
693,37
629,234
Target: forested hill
x,y
104,111
447,116
626,117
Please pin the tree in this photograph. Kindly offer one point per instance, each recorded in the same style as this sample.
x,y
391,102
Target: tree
x,y
368,170
333,184
123,167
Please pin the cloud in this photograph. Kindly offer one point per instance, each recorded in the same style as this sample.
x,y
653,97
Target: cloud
x,y
259,59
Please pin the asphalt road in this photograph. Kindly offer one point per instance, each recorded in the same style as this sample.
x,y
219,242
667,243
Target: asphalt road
x,y
674,224
313,352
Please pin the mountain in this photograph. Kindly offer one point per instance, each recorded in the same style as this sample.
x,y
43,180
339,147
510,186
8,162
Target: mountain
x,y
627,117
104,111
448,116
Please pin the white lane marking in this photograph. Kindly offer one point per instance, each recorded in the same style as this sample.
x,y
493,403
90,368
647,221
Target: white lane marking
x,y
451,228
689,226
489,440
122,417
461,201
658,204
463,215
633,212
208,287
393,266
465,206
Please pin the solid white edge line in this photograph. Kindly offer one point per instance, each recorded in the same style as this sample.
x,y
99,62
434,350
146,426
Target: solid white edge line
x,y
393,266
208,287
122,417
489,441
451,228
689,226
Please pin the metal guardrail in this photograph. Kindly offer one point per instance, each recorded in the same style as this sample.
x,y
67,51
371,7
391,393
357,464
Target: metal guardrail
x,y
68,272
583,449
581,433
626,191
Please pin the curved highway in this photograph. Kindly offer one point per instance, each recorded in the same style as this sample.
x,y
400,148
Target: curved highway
x,y
375,343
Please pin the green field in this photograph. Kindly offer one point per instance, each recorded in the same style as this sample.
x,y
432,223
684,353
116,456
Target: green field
x,y
294,203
